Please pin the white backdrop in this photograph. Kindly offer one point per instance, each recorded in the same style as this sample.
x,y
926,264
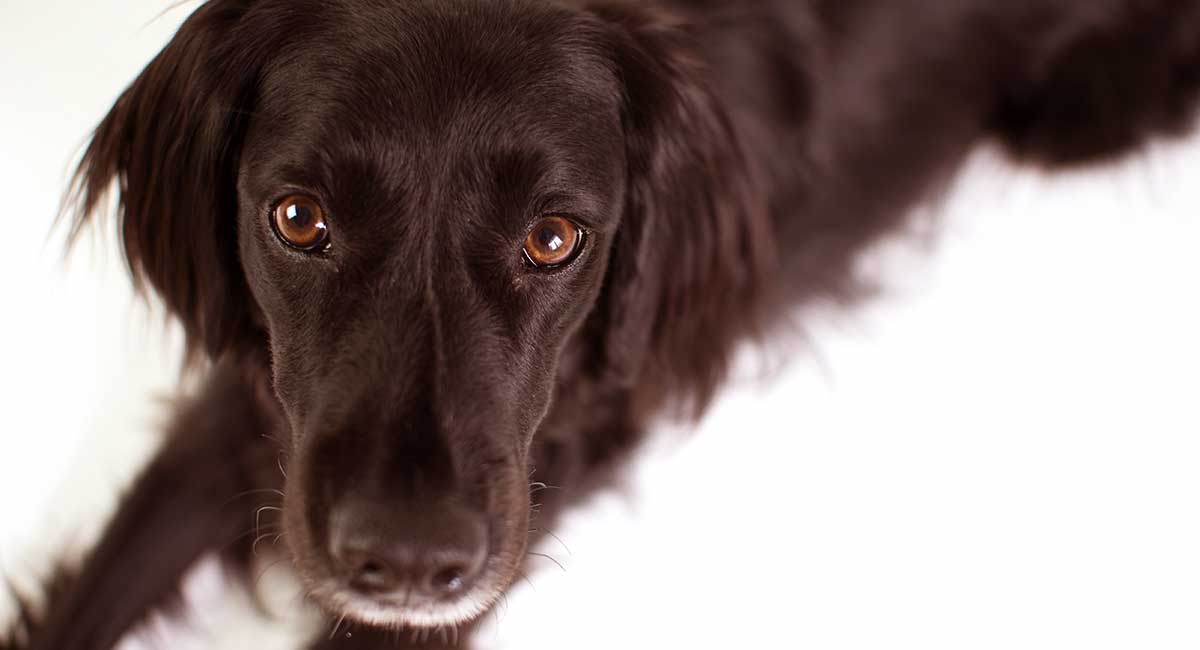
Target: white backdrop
x,y
1002,452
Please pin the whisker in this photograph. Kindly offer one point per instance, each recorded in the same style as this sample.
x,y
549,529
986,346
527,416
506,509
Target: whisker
x,y
556,538
254,546
535,511
551,558
337,625
258,515
538,486
283,445
527,581
270,528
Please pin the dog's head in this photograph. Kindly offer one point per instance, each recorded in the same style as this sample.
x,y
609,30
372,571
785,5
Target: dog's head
x,y
418,210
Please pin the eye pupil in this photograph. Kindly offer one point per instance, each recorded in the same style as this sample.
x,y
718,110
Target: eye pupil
x,y
300,216
550,239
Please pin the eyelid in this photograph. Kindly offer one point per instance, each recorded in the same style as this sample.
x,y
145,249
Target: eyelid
x,y
563,205
285,192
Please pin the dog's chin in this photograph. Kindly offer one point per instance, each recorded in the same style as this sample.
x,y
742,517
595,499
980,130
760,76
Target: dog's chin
x,y
395,612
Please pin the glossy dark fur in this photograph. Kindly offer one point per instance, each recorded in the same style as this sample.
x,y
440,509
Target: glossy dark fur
x,y
729,160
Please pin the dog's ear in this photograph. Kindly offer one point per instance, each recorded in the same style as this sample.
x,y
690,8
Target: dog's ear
x,y
171,143
694,243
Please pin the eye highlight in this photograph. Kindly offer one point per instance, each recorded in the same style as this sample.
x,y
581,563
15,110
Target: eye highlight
x,y
300,222
553,241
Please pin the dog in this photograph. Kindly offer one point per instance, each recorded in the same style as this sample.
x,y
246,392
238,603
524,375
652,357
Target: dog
x,y
435,257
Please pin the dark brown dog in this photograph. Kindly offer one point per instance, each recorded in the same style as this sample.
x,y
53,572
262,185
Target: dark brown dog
x,y
441,254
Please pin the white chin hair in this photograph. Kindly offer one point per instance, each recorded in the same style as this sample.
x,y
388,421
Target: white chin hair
x,y
371,612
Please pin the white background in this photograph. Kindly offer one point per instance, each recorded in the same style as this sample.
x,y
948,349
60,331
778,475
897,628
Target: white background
x,y
1004,451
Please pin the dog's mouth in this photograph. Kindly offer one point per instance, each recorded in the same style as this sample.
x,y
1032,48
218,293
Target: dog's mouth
x,y
404,611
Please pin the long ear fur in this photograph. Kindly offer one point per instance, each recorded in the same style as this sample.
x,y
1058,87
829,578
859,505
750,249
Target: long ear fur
x,y
171,143
694,246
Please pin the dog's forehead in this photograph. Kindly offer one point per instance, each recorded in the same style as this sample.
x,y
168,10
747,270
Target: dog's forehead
x,y
423,67
427,86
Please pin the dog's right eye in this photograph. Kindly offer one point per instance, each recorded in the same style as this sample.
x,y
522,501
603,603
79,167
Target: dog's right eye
x,y
300,222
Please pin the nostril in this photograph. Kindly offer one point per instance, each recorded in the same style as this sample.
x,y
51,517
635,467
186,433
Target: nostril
x,y
449,580
370,574
404,556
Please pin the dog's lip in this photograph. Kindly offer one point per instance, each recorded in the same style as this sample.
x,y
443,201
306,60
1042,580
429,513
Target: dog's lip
x,y
401,601
401,604
397,613
406,610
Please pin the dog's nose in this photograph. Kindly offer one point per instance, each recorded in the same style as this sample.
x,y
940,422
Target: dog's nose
x,y
410,557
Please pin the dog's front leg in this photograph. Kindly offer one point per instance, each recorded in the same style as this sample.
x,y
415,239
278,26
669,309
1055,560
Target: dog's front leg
x,y
198,495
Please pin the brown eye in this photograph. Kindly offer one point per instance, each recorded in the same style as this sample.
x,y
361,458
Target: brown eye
x,y
554,241
300,222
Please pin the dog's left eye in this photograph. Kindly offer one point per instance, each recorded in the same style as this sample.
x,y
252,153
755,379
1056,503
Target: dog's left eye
x,y
552,242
